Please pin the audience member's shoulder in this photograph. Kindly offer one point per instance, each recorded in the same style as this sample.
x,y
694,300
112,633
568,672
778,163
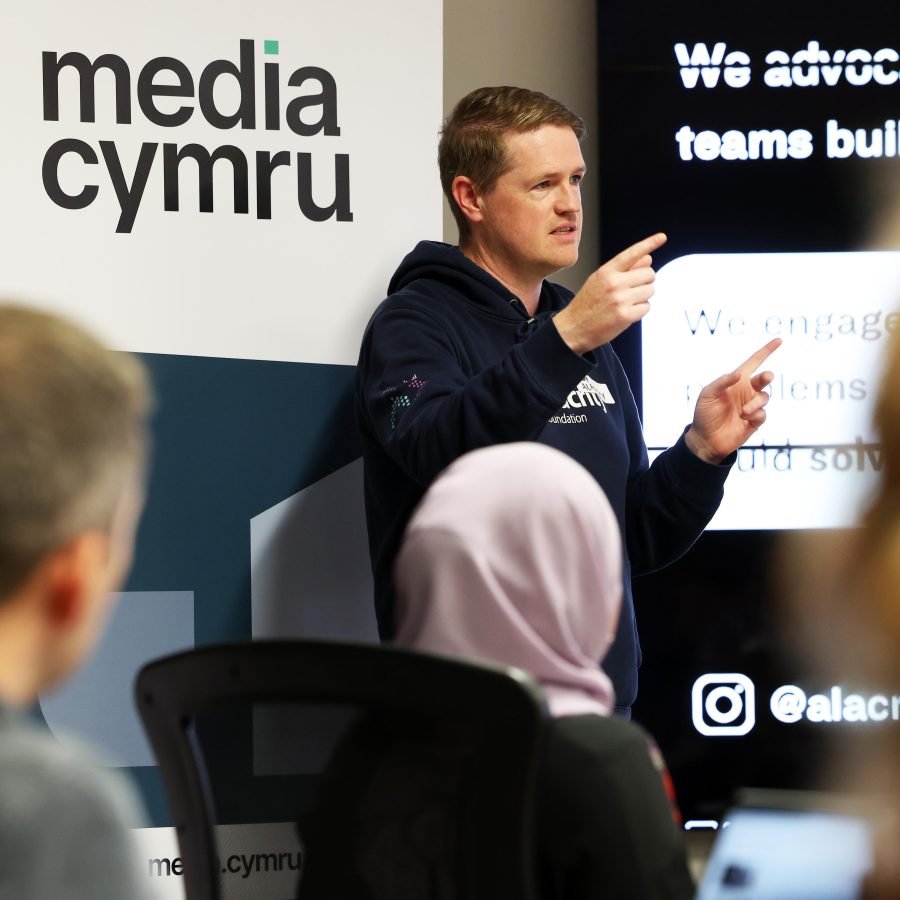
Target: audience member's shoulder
x,y
65,821
47,775
600,737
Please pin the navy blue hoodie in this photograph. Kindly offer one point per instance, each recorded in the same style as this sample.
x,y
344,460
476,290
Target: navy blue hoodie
x,y
452,361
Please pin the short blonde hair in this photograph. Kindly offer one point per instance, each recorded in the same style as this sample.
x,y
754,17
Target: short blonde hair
x,y
73,435
473,138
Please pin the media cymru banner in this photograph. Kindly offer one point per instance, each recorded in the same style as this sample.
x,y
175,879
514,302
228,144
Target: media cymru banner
x,y
225,190
231,180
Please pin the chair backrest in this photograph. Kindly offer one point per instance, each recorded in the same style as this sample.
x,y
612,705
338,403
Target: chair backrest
x,y
396,774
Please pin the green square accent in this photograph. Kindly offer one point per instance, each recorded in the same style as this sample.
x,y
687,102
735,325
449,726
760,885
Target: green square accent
x,y
270,48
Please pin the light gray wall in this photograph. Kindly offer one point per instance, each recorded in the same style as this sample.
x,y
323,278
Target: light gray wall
x,y
550,47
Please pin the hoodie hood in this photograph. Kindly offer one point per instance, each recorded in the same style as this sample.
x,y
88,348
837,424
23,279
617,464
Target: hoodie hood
x,y
433,262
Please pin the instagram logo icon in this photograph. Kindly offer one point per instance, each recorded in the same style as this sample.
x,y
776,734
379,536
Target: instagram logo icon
x,y
723,704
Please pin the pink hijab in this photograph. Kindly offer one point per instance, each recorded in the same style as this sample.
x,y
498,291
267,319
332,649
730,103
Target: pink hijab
x,y
514,556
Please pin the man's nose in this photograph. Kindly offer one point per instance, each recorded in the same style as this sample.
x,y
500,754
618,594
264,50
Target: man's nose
x,y
569,199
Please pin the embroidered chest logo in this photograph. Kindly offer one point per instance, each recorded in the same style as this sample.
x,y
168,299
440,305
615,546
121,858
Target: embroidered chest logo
x,y
588,393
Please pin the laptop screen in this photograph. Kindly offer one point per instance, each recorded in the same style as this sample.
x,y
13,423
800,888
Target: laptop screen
x,y
788,854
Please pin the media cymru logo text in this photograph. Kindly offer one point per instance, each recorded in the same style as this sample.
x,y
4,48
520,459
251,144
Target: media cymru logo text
x,y
165,93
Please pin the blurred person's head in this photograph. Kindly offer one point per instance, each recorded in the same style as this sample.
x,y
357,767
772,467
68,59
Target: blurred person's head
x,y
880,549
844,585
843,588
876,651
73,421
514,556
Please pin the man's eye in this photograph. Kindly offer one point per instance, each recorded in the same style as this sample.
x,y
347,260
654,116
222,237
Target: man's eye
x,y
576,179
542,186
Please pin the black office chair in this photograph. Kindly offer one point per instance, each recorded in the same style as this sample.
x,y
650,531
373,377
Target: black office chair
x,y
380,773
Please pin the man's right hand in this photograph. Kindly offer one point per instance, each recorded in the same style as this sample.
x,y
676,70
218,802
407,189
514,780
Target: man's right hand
x,y
614,297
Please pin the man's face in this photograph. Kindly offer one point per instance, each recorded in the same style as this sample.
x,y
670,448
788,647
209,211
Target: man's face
x,y
532,215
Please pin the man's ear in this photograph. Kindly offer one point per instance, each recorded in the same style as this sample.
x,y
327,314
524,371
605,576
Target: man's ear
x,y
468,198
73,575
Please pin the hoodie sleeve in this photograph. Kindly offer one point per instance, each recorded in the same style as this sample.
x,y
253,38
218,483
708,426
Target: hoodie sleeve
x,y
668,503
425,402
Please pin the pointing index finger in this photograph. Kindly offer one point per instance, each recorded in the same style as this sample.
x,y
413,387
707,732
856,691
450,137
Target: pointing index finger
x,y
752,363
630,255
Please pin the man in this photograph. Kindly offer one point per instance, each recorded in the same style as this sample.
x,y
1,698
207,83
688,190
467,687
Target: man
x,y
474,347
72,444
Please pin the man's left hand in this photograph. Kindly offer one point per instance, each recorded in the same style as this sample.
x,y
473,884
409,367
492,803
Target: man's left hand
x,y
731,408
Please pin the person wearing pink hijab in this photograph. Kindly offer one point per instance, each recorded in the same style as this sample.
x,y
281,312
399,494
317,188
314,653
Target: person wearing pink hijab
x,y
514,556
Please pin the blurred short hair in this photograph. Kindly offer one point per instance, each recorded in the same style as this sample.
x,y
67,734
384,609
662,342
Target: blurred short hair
x,y
73,435
473,138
